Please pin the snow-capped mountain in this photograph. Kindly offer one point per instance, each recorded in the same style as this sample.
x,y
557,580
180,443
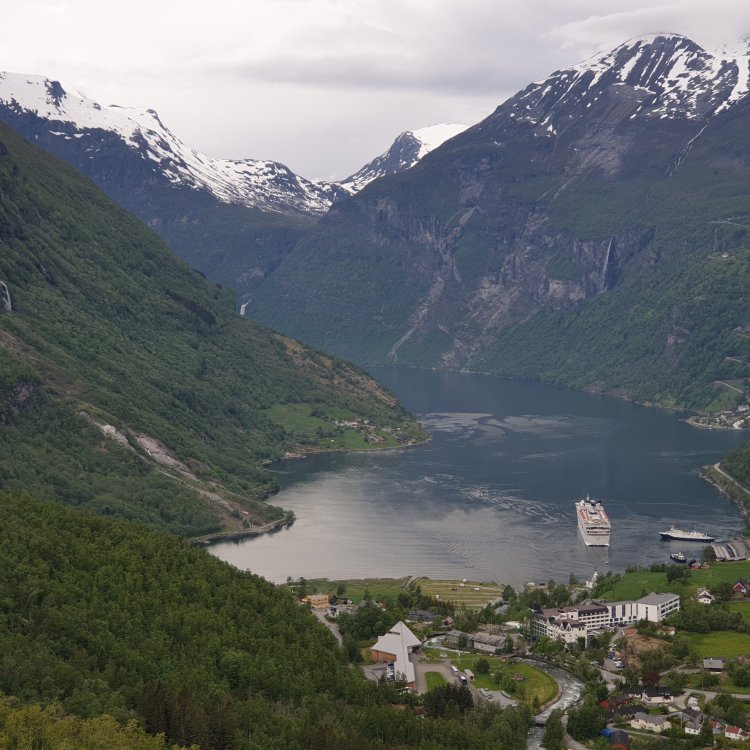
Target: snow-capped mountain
x,y
558,228
662,76
69,116
408,148
255,183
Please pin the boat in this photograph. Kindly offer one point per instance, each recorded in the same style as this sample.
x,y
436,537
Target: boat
x,y
678,557
681,535
593,522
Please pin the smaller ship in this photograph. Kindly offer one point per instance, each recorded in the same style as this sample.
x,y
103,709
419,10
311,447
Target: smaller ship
x,y
680,535
678,557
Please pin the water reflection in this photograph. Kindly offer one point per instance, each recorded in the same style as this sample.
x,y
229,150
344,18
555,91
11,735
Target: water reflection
x,y
491,496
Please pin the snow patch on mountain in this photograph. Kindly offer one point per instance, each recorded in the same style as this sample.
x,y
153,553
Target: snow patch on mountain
x,y
256,183
656,76
408,148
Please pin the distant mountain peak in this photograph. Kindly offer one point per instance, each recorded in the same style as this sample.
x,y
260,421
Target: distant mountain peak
x,y
256,183
405,151
654,76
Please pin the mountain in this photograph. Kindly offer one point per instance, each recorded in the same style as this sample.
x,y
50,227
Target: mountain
x,y
403,154
234,220
591,231
125,142
128,384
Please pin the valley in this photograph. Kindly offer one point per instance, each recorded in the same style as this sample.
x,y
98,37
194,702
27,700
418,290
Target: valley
x,y
291,464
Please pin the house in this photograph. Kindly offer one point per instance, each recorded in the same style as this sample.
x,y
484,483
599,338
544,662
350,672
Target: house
x,y
476,641
658,696
317,601
620,738
651,723
629,711
395,646
421,615
691,728
742,587
693,716
736,733
469,674
704,596
713,665
716,726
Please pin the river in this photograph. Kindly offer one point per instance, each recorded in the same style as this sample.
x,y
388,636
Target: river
x,y
491,496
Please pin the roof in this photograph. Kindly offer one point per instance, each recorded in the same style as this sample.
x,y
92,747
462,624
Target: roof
x,y
658,598
397,641
490,640
649,718
651,692
713,663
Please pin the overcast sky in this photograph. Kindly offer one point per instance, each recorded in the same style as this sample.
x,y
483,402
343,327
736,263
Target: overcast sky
x,y
325,85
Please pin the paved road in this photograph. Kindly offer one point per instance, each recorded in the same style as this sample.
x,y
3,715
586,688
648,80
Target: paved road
x,y
332,626
444,668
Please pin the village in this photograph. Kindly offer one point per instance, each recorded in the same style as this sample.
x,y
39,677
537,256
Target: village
x,y
672,663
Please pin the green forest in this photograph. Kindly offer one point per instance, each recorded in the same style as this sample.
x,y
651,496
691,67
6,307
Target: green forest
x,y
104,618
108,328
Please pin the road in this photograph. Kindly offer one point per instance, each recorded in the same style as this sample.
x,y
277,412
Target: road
x,y
332,626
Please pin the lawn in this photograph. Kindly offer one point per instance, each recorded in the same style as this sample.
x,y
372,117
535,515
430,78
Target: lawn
x,y
434,679
742,607
453,591
726,644
535,682
355,588
634,584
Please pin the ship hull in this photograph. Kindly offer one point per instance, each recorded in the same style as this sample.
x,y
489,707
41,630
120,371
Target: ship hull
x,y
670,536
593,523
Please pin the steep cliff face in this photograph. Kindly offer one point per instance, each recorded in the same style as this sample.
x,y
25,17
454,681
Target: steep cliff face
x,y
602,182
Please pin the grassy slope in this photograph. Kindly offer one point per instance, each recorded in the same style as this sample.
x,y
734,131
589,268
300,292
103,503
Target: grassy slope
x,y
116,328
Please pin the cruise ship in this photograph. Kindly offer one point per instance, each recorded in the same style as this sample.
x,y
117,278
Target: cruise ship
x,y
593,522
685,536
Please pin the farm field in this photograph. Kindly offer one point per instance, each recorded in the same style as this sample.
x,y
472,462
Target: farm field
x,y
472,594
726,644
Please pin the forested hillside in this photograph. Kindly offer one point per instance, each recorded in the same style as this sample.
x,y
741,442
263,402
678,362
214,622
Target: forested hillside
x,y
106,617
128,384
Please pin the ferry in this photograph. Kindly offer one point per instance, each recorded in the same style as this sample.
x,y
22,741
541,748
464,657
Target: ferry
x,y
680,535
593,522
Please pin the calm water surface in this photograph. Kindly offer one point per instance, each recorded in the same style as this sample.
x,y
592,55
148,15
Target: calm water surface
x,y
491,496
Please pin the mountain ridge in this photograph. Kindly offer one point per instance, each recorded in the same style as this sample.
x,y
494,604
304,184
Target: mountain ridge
x,y
128,384
567,195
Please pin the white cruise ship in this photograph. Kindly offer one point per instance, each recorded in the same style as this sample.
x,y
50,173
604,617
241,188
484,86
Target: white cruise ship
x,y
593,522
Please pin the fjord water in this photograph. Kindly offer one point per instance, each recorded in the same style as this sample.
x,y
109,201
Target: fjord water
x,y
491,495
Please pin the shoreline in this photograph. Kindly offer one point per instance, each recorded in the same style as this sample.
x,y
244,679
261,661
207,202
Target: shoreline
x,y
707,474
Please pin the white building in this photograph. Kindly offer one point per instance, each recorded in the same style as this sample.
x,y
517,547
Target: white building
x,y
395,647
646,721
571,623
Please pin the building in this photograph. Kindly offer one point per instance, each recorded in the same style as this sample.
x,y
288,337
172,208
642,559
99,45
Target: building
x,y
658,696
691,728
704,596
488,643
736,733
395,646
317,600
421,615
713,665
571,623
475,641
619,737
742,587
651,723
